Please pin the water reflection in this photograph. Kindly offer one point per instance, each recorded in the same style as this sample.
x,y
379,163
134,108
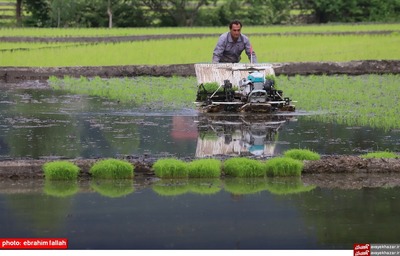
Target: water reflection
x,y
270,213
239,135
39,122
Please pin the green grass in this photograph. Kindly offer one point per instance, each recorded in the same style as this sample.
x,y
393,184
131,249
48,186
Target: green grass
x,y
302,154
380,154
283,166
204,168
170,168
368,100
60,170
112,169
85,32
269,49
243,167
171,92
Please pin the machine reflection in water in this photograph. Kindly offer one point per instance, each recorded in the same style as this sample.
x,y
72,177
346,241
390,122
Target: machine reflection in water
x,y
239,134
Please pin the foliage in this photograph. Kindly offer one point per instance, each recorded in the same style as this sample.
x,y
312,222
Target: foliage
x,y
112,169
204,168
302,154
283,166
380,154
170,168
189,13
60,170
243,167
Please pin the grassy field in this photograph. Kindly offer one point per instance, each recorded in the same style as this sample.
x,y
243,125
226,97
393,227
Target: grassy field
x,y
83,32
198,50
269,48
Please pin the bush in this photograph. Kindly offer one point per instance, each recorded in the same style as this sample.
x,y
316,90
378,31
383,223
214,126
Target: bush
x,y
204,168
302,154
170,168
112,169
283,166
60,170
243,167
380,154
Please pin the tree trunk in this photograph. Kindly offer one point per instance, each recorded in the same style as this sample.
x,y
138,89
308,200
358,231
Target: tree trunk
x,y
110,15
18,12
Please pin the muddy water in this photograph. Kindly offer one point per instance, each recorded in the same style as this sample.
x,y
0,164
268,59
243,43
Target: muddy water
x,y
38,123
207,214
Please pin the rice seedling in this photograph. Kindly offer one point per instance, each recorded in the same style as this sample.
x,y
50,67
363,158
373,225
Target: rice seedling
x,y
243,167
113,188
171,92
171,188
302,154
205,186
60,170
244,186
272,48
283,166
287,186
90,32
60,188
112,169
204,168
380,154
369,100
170,168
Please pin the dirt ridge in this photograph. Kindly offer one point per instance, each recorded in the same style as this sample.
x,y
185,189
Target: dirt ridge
x,y
362,67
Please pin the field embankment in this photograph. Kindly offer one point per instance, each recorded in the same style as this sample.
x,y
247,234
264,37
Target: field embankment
x,y
17,74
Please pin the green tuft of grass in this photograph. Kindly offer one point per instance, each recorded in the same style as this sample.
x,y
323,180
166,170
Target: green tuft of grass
x,y
204,168
60,170
283,166
302,154
243,167
212,87
380,154
112,169
170,168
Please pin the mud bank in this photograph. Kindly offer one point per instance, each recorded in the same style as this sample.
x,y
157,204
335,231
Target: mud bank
x,y
18,74
329,171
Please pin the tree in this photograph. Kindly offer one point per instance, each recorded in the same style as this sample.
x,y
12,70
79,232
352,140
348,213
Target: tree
x,y
182,12
40,13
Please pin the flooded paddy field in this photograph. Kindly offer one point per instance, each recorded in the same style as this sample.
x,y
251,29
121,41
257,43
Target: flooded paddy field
x,y
309,212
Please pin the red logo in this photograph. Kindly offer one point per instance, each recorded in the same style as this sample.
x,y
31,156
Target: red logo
x,y
362,249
